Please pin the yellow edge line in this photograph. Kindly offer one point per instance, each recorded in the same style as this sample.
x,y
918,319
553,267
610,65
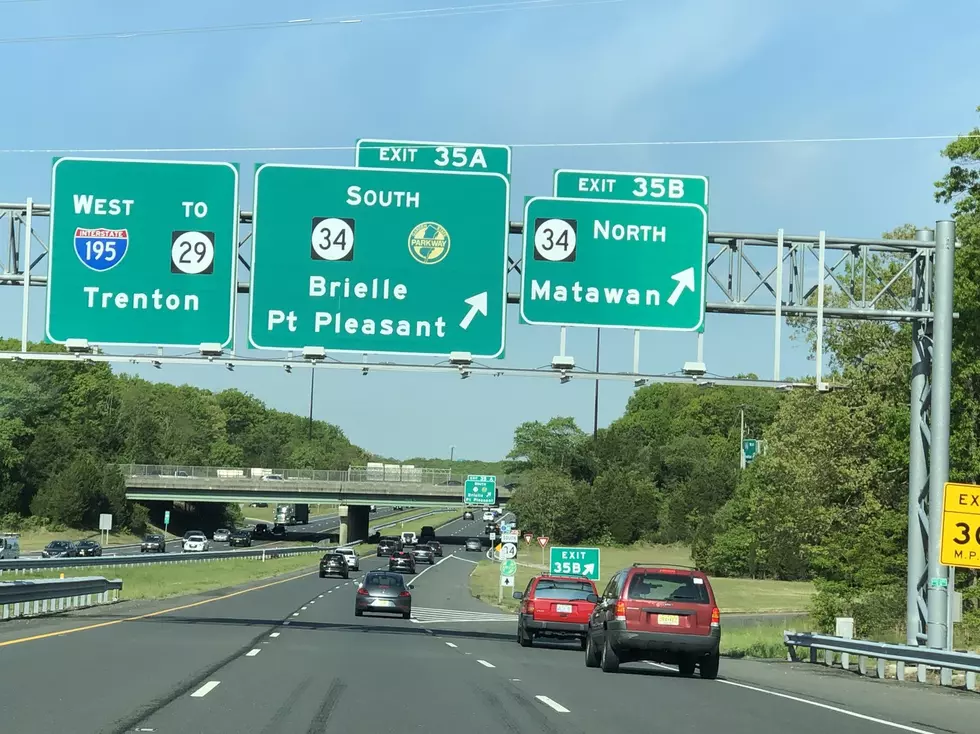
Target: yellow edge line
x,y
150,614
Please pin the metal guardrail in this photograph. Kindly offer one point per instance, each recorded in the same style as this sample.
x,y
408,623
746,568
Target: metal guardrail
x,y
924,658
48,596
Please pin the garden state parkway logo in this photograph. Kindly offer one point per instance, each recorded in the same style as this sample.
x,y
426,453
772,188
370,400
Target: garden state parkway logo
x,y
428,243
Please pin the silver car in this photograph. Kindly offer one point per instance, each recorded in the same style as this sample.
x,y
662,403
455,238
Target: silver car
x,y
474,544
221,535
384,592
423,554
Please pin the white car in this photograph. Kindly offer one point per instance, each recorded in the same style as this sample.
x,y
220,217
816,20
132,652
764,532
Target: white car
x,y
353,562
196,543
488,516
272,478
221,535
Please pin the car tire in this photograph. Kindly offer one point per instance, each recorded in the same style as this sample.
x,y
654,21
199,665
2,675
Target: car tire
x,y
323,575
609,662
523,638
709,666
346,575
686,665
591,654
406,615
582,643
358,613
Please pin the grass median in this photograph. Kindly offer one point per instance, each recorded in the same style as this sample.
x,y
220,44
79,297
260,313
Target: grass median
x,y
177,579
35,540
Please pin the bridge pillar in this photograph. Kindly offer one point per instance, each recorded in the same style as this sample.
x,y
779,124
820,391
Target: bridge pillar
x,y
354,521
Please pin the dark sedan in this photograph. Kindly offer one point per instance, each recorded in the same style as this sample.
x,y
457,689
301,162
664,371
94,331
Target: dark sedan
x,y
387,546
59,549
88,548
436,547
334,564
240,539
402,562
423,554
153,543
383,592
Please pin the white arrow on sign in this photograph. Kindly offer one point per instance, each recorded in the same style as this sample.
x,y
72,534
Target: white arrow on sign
x,y
478,304
685,281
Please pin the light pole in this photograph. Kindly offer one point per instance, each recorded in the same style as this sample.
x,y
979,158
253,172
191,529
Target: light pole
x,y
452,454
595,407
741,437
312,377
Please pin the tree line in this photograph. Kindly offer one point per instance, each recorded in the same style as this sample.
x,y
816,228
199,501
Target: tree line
x,y
65,426
827,500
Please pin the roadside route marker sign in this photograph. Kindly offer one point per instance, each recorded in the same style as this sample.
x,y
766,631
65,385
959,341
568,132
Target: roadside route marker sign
x,y
142,253
615,264
431,156
373,260
959,543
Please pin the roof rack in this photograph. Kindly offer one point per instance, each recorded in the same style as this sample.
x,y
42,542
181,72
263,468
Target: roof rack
x,y
646,564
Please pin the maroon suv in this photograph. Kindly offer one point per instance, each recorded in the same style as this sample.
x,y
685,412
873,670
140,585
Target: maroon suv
x,y
666,614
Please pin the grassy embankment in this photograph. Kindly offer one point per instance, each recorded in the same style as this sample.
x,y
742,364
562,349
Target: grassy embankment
x,y
735,596
168,580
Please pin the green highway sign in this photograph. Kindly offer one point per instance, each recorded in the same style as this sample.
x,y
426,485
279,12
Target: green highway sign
x,y
480,489
575,562
645,187
508,567
372,260
166,517
142,253
750,447
429,156
626,265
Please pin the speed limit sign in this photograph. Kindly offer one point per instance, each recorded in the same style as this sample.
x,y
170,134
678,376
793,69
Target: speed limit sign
x,y
555,240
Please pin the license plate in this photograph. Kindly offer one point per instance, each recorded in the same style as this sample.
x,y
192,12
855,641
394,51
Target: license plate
x,y
383,603
563,608
668,620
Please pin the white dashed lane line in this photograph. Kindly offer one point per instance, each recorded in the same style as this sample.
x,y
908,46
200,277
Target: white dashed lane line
x,y
295,614
485,664
449,644
205,689
252,653
553,704
274,634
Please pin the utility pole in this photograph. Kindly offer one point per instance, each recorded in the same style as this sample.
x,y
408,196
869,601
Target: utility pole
x,y
595,408
312,377
741,438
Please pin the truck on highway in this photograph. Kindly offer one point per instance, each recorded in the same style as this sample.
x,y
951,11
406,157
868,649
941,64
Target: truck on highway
x,y
292,514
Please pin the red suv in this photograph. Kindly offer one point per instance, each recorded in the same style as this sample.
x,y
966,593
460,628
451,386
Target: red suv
x,y
557,607
666,614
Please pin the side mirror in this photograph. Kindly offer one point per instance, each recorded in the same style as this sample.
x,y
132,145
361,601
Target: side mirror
x,y
592,598
411,586
518,594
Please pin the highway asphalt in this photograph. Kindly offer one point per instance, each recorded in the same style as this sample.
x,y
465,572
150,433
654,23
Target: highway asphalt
x,y
288,655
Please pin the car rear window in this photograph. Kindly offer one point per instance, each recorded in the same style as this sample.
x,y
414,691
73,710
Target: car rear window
x,y
384,580
653,586
557,589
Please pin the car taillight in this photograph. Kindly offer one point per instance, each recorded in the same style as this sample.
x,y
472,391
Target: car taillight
x,y
620,611
362,591
530,607
715,617
404,593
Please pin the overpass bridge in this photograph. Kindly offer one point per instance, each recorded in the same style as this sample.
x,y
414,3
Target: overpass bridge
x,y
354,489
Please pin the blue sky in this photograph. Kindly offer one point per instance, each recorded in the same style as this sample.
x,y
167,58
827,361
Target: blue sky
x,y
637,70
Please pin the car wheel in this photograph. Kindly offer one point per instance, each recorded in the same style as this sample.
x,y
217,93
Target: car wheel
x,y
406,615
609,662
323,575
358,613
581,642
591,654
686,665
346,575
709,666
523,637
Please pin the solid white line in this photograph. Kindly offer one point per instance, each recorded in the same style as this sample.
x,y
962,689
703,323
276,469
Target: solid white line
x,y
485,664
450,644
437,563
205,689
553,704
828,707
274,634
252,653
